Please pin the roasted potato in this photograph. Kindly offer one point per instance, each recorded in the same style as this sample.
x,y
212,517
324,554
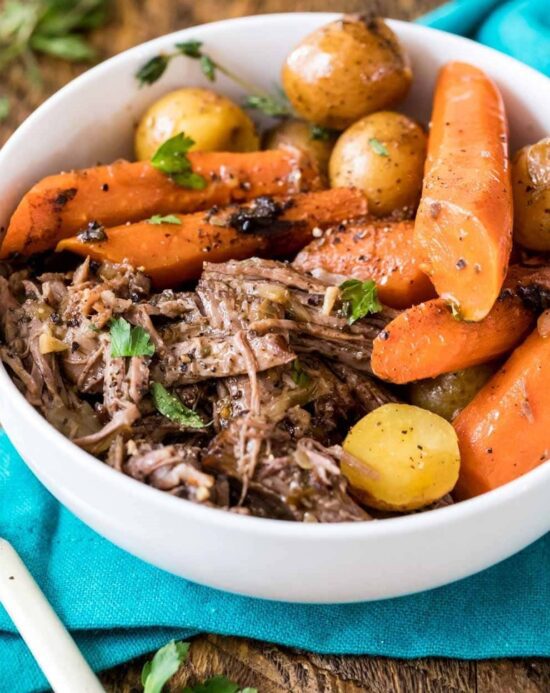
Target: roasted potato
x,y
383,155
449,393
293,133
531,186
212,120
346,70
401,458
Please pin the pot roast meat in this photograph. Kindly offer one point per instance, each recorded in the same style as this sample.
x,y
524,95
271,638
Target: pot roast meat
x,y
259,350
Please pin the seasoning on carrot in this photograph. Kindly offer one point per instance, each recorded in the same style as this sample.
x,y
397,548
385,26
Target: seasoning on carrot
x,y
172,253
503,432
427,340
59,206
376,249
463,228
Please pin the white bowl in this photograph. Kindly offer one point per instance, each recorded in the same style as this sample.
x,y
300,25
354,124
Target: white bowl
x,y
92,120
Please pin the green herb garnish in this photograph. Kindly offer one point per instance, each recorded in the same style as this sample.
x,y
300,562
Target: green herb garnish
x,y
171,158
168,219
4,108
317,132
298,375
53,27
172,408
377,147
152,70
359,299
218,684
163,666
127,340
272,105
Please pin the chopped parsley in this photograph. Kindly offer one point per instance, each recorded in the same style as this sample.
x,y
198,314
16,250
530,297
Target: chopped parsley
x,y
152,70
163,666
359,299
172,408
377,147
168,219
127,340
266,103
171,158
298,375
317,132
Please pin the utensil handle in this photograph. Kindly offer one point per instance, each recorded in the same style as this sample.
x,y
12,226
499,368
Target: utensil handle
x,y
51,645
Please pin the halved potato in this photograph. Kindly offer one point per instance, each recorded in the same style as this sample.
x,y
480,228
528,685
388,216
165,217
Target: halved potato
x,y
401,458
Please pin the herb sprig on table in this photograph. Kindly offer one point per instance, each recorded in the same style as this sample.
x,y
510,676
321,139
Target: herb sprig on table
x,y
166,663
52,27
274,105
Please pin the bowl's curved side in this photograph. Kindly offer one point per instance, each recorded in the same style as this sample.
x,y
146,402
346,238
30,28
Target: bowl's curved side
x,y
276,560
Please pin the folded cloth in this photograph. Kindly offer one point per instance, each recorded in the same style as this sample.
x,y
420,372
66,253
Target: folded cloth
x,y
119,607
520,28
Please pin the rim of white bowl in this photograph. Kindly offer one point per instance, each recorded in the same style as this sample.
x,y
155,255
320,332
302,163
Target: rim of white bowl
x,y
215,516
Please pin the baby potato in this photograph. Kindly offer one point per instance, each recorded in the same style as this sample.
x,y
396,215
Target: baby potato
x,y
212,120
449,393
298,134
531,186
401,458
345,70
383,155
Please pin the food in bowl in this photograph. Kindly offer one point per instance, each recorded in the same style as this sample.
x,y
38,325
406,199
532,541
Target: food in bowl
x,y
213,342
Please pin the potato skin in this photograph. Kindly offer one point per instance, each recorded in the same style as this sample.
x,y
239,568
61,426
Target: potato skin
x,y
531,187
449,393
401,458
383,155
346,70
293,133
212,120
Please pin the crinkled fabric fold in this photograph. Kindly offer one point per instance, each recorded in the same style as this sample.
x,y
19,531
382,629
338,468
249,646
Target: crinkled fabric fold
x,y
520,28
119,607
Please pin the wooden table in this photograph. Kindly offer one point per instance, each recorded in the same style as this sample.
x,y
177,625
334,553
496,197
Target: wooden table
x,y
270,668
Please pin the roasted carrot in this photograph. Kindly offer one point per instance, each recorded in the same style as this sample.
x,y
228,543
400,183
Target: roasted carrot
x,y
463,229
503,433
427,340
58,206
376,249
173,253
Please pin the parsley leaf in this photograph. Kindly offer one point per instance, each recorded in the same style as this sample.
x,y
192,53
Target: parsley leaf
x,y
218,684
359,299
168,219
191,48
318,132
208,67
163,666
172,408
152,70
270,105
4,108
377,147
298,375
129,341
171,158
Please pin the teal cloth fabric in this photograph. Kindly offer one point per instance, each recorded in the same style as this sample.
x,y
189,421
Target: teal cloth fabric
x,y
119,607
520,28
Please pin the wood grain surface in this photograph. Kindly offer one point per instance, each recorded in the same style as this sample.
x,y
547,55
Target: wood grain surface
x,y
269,668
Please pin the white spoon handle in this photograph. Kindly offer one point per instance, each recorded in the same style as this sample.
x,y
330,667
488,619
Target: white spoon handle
x,y
51,645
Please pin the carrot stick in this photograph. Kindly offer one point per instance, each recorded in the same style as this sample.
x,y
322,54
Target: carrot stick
x,y
503,433
58,206
426,340
174,253
463,228
377,249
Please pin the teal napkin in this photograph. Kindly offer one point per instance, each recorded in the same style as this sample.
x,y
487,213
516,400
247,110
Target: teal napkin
x,y
119,607
520,28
